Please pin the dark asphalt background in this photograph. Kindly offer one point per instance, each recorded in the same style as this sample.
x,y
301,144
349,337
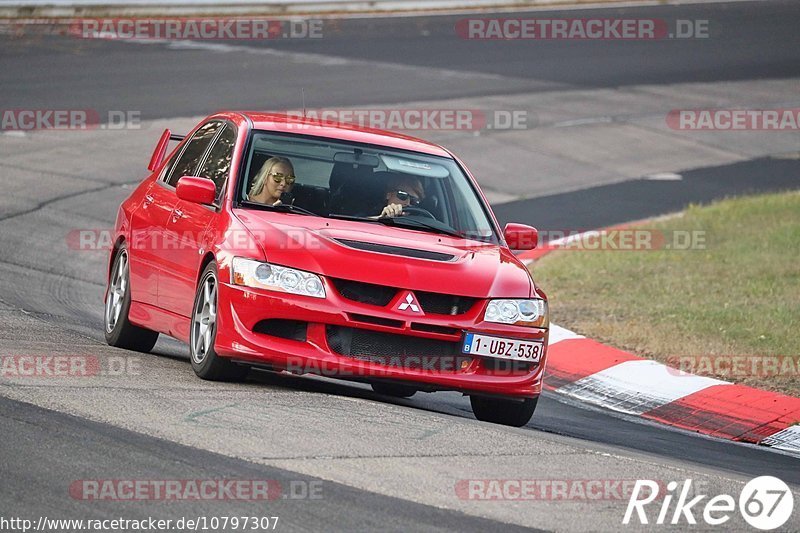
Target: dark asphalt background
x,y
44,452
160,83
606,205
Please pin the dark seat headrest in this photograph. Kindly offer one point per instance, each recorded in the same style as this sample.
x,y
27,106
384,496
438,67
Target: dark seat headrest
x,y
384,178
344,172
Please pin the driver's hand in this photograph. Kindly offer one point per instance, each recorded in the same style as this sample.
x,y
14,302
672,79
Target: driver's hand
x,y
392,210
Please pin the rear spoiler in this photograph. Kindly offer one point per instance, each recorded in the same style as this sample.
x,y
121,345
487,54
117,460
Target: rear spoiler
x,y
161,149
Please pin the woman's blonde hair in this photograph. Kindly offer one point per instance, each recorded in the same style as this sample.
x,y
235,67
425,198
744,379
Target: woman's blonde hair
x,y
261,178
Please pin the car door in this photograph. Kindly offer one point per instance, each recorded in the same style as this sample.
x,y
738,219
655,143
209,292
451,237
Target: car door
x,y
159,242
147,223
188,226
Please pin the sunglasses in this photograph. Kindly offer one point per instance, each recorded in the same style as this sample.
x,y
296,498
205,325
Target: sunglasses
x,y
277,177
403,196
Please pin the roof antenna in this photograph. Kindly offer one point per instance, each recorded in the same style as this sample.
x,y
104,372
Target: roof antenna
x,y
303,91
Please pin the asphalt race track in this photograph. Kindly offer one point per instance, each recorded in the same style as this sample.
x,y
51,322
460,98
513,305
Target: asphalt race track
x,y
381,463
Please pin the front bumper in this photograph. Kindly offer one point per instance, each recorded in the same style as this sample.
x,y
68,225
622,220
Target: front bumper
x,y
332,324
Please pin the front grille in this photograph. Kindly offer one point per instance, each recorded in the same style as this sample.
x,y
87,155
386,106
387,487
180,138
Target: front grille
x,y
381,295
396,250
388,349
376,320
432,328
444,304
286,329
366,293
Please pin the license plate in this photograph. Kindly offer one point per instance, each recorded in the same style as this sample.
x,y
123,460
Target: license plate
x,y
514,349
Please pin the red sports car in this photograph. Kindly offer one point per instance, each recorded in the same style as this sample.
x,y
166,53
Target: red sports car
x,y
293,245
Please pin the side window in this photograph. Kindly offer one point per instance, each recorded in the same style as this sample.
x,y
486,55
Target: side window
x,y
193,153
218,163
168,167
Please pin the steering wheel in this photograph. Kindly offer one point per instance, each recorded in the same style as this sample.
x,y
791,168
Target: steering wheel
x,y
413,210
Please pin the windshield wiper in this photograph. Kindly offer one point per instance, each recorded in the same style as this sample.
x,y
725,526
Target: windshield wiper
x,y
286,208
352,217
404,222
415,223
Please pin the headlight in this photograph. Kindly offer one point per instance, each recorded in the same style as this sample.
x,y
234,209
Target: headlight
x,y
518,312
250,273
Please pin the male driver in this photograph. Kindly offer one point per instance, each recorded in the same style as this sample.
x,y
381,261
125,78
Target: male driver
x,y
402,191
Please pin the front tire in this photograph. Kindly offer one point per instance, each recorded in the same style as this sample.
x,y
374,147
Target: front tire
x,y
507,412
118,329
205,361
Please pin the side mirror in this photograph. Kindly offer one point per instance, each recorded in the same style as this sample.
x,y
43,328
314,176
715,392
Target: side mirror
x,y
159,151
520,236
197,190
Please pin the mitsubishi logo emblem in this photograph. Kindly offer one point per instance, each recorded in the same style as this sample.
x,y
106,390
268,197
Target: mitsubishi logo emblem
x,y
409,303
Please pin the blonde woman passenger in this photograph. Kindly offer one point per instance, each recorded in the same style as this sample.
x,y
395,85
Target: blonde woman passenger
x,y
275,178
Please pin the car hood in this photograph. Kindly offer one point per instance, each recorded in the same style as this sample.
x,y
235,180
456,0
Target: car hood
x,y
335,248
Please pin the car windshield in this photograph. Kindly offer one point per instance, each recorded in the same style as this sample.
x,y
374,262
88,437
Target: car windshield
x,y
354,181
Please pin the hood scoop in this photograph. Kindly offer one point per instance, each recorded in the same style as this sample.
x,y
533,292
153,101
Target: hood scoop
x,y
395,250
